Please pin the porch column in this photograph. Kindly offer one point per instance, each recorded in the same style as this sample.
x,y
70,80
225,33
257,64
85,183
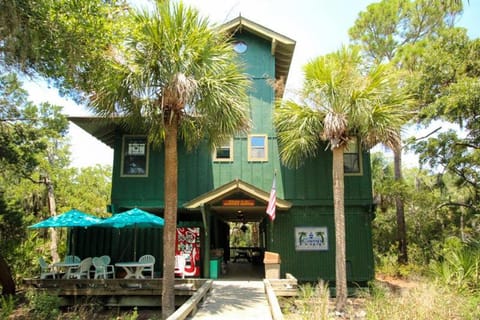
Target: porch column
x,y
206,243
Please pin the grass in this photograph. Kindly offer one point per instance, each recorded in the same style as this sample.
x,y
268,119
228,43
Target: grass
x,y
424,301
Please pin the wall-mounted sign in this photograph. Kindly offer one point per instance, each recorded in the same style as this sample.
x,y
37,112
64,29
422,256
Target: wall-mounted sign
x,y
136,149
311,238
238,203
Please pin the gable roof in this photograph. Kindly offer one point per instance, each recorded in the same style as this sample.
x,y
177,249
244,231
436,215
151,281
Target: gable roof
x,y
282,46
231,188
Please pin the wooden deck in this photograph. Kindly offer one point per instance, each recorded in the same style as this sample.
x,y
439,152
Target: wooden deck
x,y
115,292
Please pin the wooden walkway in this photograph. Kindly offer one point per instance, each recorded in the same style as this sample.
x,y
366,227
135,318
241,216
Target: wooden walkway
x,y
235,300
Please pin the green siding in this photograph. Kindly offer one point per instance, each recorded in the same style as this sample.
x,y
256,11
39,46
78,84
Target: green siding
x,y
314,265
309,188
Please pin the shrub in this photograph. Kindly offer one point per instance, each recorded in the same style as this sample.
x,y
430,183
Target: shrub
x,y
43,306
7,306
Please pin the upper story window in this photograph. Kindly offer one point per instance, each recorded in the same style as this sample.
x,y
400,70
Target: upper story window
x,y
351,158
240,46
224,152
135,156
257,147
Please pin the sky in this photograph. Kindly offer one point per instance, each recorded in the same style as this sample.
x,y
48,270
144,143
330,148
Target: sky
x,y
318,27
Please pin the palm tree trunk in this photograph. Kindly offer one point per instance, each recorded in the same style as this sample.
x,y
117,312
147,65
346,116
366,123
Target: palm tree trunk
x,y
339,213
401,226
170,216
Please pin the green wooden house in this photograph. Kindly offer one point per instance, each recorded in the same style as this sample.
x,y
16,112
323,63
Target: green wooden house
x,y
233,182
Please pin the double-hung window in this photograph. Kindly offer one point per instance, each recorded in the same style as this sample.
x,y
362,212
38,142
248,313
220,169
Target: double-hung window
x,y
257,147
224,152
352,158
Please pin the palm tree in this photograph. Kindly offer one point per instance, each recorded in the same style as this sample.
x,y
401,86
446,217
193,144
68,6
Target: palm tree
x,y
175,78
340,102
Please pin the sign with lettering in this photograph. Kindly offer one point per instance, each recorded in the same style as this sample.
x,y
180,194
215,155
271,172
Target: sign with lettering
x,y
311,238
238,203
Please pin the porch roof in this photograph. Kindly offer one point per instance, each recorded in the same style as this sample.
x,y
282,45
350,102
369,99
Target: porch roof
x,y
234,188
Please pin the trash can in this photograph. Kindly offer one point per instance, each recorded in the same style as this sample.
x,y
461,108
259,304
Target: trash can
x,y
271,261
214,267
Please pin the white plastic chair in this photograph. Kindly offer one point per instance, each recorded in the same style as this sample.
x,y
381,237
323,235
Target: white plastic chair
x,y
101,268
46,270
82,271
150,261
180,263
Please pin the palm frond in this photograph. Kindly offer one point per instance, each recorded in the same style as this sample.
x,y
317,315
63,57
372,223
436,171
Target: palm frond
x,y
298,130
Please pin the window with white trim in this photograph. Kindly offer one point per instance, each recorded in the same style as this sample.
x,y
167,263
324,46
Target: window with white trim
x,y
224,152
352,157
257,147
135,156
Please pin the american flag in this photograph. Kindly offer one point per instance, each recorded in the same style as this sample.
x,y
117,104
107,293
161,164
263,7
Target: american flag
x,y
272,201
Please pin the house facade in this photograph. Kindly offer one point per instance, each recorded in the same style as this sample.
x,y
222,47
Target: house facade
x,y
232,183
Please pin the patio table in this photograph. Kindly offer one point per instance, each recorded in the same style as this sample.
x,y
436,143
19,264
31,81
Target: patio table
x,y
134,269
66,265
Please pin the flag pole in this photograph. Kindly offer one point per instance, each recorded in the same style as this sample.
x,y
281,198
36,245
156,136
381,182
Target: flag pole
x,y
272,203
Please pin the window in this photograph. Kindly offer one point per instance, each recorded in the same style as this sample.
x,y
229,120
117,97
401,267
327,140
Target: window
x,y
257,148
240,46
135,155
224,152
351,158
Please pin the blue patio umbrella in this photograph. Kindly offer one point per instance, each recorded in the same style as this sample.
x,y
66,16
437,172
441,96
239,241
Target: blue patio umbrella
x,y
133,218
70,219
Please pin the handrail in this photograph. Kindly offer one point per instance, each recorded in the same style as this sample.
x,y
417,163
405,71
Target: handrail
x,y
190,306
273,301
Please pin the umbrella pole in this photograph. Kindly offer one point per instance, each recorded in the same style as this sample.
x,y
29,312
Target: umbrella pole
x,y
135,245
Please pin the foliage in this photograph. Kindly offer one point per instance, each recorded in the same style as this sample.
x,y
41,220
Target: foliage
x,y
459,267
7,306
312,302
389,25
64,41
430,221
424,302
43,306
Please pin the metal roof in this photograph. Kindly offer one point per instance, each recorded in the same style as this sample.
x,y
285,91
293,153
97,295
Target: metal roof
x,y
101,128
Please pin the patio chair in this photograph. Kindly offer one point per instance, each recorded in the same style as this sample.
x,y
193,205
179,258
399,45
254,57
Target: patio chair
x,y
82,271
180,266
72,259
150,260
46,270
110,267
101,268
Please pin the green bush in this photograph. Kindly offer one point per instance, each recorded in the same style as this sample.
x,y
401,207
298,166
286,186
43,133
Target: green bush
x,y
7,306
43,306
459,266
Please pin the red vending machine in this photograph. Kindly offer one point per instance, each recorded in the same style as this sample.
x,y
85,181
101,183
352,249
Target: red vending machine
x,y
187,252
